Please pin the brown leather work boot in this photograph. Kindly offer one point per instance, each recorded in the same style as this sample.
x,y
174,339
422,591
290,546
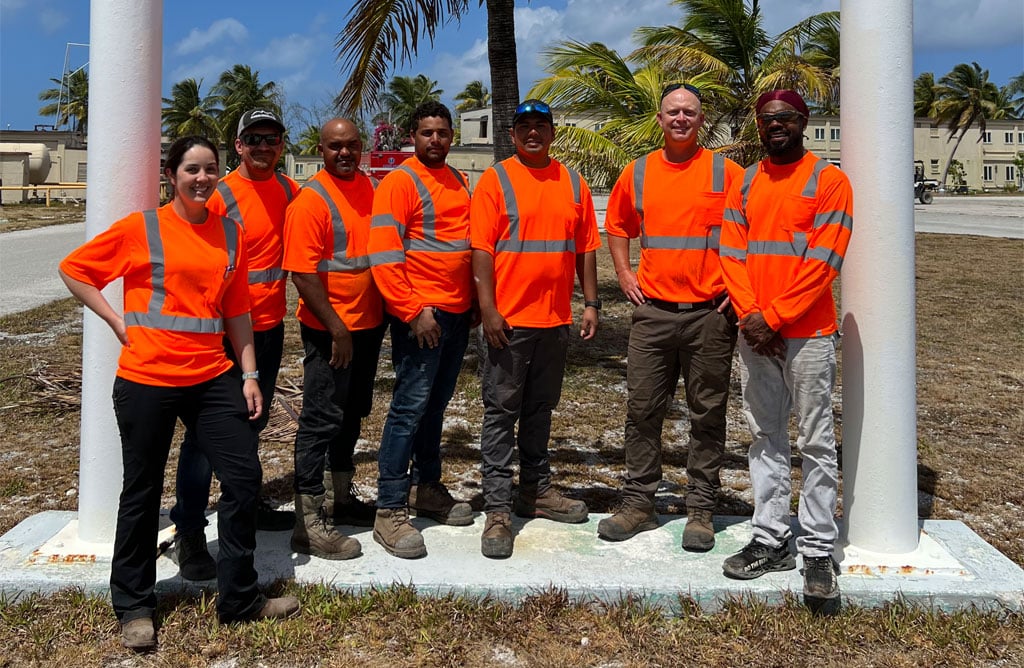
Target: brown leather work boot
x,y
139,635
342,505
549,504
699,534
313,533
393,531
432,499
496,541
626,523
278,608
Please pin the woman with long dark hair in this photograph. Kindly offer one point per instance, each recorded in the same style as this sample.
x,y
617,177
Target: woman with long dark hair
x,y
185,286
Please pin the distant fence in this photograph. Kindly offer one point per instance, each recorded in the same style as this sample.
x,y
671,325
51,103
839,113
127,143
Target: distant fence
x,y
48,190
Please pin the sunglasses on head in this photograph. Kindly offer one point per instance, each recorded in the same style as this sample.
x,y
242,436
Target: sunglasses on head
x,y
531,107
254,140
781,117
676,86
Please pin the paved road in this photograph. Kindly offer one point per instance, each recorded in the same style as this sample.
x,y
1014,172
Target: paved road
x,y
29,259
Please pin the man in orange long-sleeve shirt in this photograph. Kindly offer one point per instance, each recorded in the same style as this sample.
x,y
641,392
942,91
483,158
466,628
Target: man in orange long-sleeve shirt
x,y
672,199
419,251
255,195
532,228
784,235
340,315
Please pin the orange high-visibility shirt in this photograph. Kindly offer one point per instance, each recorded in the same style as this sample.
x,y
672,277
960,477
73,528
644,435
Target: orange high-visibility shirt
x,y
676,211
534,224
179,286
785,233
328,237
419,242
259,207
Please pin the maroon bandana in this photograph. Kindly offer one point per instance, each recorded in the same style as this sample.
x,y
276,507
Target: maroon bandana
x,y
792,98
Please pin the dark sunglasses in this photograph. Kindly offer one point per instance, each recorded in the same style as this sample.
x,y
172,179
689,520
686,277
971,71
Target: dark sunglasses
x,y
676,86
531,107
782,117
254,140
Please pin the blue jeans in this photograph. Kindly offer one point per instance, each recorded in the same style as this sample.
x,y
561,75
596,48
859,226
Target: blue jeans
x,y
334,402
425,381
192,484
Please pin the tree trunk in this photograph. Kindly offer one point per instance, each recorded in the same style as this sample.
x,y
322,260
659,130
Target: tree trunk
x,y
501,52
949,163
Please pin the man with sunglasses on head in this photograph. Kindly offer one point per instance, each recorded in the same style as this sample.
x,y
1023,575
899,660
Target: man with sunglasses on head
x,y
672,200
786,230
532,227
256,196
340,320
419,250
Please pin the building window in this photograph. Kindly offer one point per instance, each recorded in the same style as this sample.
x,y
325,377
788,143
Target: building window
x,y
935,166
1007,137
598,126
988,173
483,128
1020,137
299,169
934,131
819,134
834,134
1010,173
82,172
986,137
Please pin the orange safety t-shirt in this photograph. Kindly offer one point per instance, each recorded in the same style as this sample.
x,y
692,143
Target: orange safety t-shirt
x,y
316,242
199,283
678,218
785,233
534,251
419,242
259,207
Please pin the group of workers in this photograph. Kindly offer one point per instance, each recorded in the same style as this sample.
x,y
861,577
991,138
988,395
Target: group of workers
x,y
723,252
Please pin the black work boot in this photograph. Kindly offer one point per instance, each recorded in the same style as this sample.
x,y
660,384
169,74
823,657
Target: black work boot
x,y
194,560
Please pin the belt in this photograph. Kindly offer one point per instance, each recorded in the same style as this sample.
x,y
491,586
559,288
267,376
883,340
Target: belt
x,y
679,307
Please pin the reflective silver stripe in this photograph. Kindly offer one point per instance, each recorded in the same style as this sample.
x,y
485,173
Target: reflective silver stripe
x,y
266,275
736,253
811,188
515,244
387,220
795,248
735,216
230,203
153,318
748,178
283,180
717,173
639,174
340,262
430,243
832,218
681,243
826,255
386,257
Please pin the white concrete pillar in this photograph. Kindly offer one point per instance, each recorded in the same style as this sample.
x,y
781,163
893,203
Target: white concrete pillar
x,y
126,41
878,301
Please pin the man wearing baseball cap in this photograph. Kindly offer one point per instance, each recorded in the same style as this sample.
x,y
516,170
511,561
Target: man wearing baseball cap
x,y
532,226
785,232
256,196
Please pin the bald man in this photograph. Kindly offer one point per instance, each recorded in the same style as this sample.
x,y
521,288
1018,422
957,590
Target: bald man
x,y
340,319
672,199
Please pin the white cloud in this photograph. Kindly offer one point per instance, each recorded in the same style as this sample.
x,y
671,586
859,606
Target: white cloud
x,y
8,6
208,69
966,24
52,20
221,30
292,51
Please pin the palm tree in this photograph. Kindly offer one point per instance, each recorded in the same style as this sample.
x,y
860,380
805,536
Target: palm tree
x,y
238,90
593,79
964,97
924,95
1015,91
382,33
405,94
822,51
727,38
69,100
474,96
307,141
187,112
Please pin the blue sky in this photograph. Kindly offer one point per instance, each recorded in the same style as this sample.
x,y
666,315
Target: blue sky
x,y
292,43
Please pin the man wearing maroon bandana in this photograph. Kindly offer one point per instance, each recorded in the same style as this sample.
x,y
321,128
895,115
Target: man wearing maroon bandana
x,y
785,232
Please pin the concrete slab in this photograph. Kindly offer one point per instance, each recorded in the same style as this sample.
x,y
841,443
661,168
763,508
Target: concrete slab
x,y
953,567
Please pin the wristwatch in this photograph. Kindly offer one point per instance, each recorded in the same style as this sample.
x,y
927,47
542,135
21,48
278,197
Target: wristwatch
x,y
250,375
596,303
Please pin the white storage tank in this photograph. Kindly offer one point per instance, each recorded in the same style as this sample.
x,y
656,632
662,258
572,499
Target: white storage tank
x,y
38,160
